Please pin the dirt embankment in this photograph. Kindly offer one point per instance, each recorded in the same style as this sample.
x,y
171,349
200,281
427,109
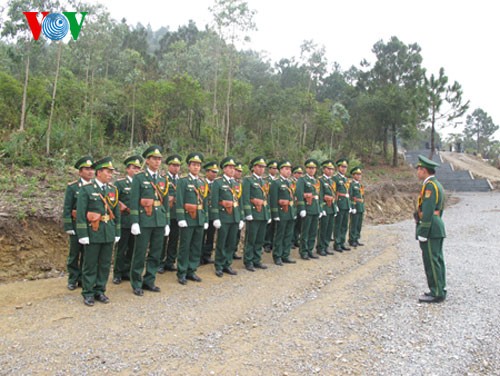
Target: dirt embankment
x,y
474,164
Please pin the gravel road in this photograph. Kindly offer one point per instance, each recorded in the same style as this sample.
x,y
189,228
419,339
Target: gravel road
x,y
354,313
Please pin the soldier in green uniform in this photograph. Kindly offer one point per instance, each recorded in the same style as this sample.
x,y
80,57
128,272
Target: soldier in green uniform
x,y
172,242
238,172
125,247
328,207
430,230
257,214
273,174
211,171
149,215
283,212
357,196
227,217
75,255
97,228
343,204
192,218
308,206
297,172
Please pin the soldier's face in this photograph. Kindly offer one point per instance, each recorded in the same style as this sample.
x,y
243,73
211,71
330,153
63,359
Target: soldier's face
x,y
86,173
258,170
237,174
211,174
297,175
273,171
132,170
311,171
174,168
153,163
342,169
328,171
286,172
194,168
105,175
422,173
229,171
357,177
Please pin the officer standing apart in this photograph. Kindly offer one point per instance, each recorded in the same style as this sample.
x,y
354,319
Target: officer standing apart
x,y
257,214
125,247
343,204
309,208
98,228
357,196
328,207
431,231
75,256
150,221
172,242
211,171
283,213
192,217
227,217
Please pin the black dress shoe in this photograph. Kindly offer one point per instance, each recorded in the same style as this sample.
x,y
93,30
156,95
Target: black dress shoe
x,y
268,248
305,257
329,252
338,249
170,268
182,280
360,244
236,257
161,270
353,244
344,248
313,256
250,268
207,260
322,253
430,299
260,266
151,288
71,286
289,261
117,280
194,277
229,271
138,292
88,301
102,298
278,262
219,273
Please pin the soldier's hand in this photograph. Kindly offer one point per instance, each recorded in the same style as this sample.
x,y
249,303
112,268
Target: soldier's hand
x,y
249,217
117,239
167,230
354,211
205,226
277,219
422,239
135,229
241,225
270,220
217,223
350,210
302,213
84,241
182,223
70,232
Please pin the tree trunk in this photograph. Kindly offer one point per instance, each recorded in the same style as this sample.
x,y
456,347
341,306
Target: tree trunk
x,y
385,142
228,105
133,118
394,147
52,104
433,130
25,93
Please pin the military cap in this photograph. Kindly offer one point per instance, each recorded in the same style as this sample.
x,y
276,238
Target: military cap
x,y
342,162
261,161
297,169
426,162
355,170
135,160
328,164
211,166
238,167
86,161
106,162
173,159
194,157
272,163
153,151
311,162
228,161
284,163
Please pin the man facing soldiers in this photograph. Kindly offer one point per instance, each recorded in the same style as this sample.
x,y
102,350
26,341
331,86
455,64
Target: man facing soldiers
x,y
272,169
257,214
297,172
75,256
357,196
238,172
192,218
227,217
98,228
309,208
328,206
125,247
150,221
211,171
283,212
169,254
343,204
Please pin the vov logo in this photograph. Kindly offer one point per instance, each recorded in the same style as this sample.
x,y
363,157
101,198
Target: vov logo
x,y
55,26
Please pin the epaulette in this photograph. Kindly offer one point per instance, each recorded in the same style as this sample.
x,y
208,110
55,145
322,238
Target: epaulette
x,y
122,179
112,185
218,178
87,183
73,182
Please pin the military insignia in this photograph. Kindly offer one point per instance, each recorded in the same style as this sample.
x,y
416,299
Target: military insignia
x,y
161,184
89,162
428,193
317,185
112,196
137,162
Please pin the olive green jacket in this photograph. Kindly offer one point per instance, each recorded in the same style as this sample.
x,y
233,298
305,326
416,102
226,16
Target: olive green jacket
x,y
224,190
281,189
357,196
253,187
430,210
308,185
143,188
192,191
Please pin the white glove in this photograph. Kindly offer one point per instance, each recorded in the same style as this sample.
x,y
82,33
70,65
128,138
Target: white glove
x,y
350,210
270,220
84,241
70,232
354,211
182,223
302,213
167,230
249,217
217,223
117,239
422,239
277,219
205,226
323,213
241,225
335,214
135,229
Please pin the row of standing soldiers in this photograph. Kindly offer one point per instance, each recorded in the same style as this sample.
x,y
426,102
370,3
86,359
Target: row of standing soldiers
x,y
163,222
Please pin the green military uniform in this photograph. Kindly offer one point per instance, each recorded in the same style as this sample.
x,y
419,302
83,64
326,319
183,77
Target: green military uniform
x,y
257,214
97,221
344,206
209,234
149,210
328,207
239,192
357,197
270,230
298,220
283,213
191,190
308,202
226,210
75,256
431,230
125,247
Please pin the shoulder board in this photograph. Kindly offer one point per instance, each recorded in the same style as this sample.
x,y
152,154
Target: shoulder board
x,y
73,182
218,178
122,179
111,185
139,173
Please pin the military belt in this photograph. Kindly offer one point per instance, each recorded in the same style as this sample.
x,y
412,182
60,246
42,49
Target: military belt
x,y
105,218
156,203
437,212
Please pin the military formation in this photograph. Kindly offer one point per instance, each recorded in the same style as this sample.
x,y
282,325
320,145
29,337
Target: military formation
x,y
152,222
